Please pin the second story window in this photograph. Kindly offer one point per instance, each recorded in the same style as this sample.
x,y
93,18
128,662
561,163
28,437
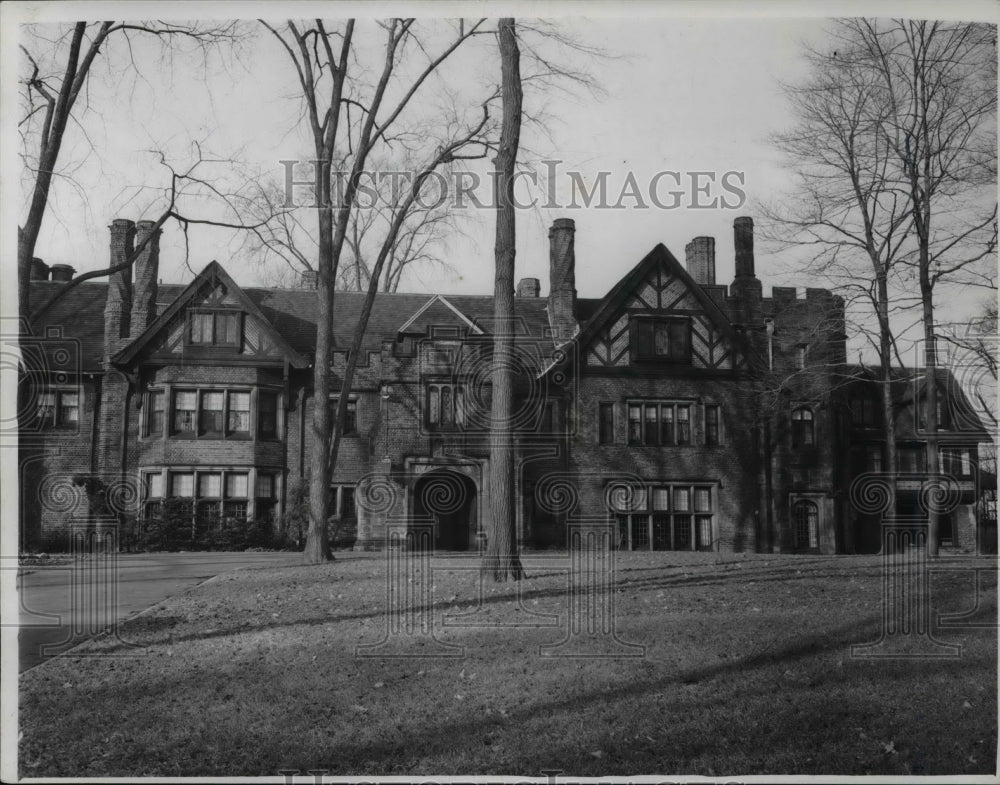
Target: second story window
x,y
350,417
212,406
185,408
267,415
864,412
803,434
214,328
58,409
154,422
943,418
659,423
666,340
208,414
445,406
712,437
238,418
956,461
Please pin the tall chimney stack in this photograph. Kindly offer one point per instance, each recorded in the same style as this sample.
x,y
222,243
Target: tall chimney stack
x,y
746,288
118,307
700,258
743,238
146,270
562,280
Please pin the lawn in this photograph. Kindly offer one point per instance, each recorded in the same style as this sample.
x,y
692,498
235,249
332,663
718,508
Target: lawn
x,y
747,669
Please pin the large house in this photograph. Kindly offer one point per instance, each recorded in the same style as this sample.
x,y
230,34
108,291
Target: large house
x,y
688,414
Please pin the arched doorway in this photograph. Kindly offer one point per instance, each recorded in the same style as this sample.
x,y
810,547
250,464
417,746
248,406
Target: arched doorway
x,y
449,500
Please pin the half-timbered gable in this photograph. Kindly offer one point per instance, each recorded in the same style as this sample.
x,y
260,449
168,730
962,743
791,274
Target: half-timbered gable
x,y
656,317
212,321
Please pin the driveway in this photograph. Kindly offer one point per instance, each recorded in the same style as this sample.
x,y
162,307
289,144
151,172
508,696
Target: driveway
x,y
62,606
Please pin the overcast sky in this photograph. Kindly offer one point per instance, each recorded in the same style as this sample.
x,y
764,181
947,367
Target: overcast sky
x,y
680,94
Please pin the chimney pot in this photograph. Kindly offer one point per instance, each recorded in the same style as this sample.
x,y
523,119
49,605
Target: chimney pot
x,y
528,287
62,272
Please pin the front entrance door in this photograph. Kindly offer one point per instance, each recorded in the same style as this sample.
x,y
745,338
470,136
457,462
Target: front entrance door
x,y
449,500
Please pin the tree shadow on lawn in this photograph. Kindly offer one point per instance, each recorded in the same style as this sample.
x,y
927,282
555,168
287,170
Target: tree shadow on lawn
x,y
518,593
788,724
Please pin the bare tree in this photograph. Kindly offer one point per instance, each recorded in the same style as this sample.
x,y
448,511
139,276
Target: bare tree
x,y
57,77
420,244
193,197
348,119
941,84
849,212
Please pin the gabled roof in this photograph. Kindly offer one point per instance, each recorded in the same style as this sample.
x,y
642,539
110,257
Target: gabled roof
x,y
412,324
213,272
292,313
660,255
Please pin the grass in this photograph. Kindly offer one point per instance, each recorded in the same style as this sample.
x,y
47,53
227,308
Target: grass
x,y
747,670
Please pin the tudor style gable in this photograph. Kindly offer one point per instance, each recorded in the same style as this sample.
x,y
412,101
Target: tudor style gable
x,y
658,317
211,321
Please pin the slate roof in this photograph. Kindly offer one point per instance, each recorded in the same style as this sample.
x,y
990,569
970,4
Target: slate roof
x,y
292,312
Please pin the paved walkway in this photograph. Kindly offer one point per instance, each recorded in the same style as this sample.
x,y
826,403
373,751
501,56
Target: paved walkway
x,y
62,606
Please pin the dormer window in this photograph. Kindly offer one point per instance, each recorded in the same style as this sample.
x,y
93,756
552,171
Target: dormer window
x,y
663,340
214,328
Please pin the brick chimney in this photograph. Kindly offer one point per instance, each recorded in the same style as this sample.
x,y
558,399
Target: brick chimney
x,y
700,258
146,270
528,287
562,280
746,289
118,307
39,270
743,238
309,279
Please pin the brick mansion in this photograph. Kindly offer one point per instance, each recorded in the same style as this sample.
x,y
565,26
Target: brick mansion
x,y
689,414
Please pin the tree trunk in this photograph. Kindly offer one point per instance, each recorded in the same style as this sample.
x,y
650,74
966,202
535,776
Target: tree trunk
x,y
501,558
885,385
317,548
930,397
58,113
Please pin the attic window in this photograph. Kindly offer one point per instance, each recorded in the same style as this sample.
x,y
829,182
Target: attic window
x,y
214,328
666,340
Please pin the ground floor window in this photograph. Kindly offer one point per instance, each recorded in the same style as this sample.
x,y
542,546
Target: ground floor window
x,y
674,517
213,497
805,515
